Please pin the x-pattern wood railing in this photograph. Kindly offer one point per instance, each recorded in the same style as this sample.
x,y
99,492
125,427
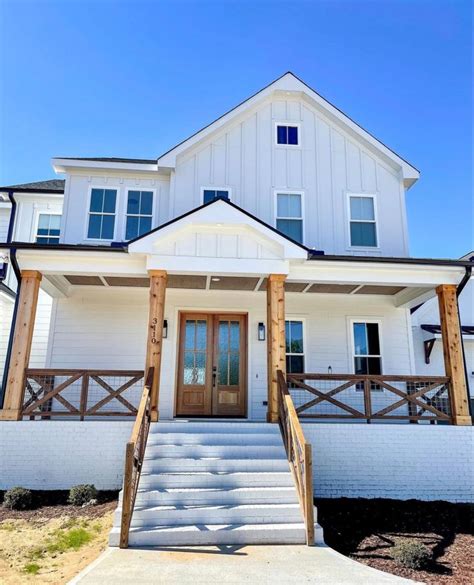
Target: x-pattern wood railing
x,y
371,397
80,393
299,455
134,456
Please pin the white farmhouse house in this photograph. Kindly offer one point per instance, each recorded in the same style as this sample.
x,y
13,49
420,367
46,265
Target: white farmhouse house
x,y
258,272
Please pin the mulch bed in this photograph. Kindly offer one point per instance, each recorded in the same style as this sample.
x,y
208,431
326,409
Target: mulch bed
x,y
366,530
53,504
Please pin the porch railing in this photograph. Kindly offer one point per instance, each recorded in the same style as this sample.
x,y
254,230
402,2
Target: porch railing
x,y
299,454
373,398
134,455
59,393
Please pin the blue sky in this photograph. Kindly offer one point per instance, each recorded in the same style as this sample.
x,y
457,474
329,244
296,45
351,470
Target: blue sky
x,y
131,79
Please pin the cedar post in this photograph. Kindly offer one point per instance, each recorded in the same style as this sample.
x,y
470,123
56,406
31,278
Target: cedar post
x,y
154,346
276,344
453,353
21,348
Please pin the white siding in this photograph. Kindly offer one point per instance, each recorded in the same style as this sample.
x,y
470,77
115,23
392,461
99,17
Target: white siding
x,y
327,166
106,328
4,221
75,219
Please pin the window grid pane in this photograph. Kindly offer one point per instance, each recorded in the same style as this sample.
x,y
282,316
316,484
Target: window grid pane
x,y
139,213
102,214
48,231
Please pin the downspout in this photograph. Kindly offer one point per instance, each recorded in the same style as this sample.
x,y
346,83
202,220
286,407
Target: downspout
x,y
459,290
16,271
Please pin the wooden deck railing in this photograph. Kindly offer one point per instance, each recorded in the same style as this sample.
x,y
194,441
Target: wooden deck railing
x,y
50,393
373,398
299,454
134,455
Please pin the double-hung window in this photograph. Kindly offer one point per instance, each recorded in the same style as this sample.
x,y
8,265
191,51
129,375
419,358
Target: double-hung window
x,y
289,215
48,229
287,134
102,214
294,347
211,194
367,354
363,228
139,213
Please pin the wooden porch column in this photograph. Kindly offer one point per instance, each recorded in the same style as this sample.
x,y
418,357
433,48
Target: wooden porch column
x,y
21,348
276,344
452,350
154,345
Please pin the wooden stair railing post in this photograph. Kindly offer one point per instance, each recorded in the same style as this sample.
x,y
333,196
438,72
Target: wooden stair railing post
x,y
127,495
21,348
276,344
309,504
154,349
453,353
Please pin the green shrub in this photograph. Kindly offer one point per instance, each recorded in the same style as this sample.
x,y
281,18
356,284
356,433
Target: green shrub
x,y
412,554
31,568
18,498
82,494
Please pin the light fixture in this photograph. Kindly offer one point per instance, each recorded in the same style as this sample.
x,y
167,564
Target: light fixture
x,y
165,328
261,331
215,279
329,369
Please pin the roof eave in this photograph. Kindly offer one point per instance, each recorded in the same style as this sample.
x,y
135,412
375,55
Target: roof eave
x,y
62,165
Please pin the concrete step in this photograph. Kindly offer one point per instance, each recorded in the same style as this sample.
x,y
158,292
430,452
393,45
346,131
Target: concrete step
x,y
216,496
221,451
206,479
235,514
213,427
216,534
236,438
213,465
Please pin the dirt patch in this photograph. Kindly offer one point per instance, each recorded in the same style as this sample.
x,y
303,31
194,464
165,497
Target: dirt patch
x,y
367,530
52,543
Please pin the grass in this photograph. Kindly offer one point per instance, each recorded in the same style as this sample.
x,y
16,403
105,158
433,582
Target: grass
x,y
31,568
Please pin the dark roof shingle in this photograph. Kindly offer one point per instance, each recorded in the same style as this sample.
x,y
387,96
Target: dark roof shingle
x,y
49,186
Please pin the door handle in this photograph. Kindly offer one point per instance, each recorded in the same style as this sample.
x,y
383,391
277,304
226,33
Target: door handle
x,y
214,375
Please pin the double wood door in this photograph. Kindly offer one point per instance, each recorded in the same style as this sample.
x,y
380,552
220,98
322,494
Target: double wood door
x,y
212,365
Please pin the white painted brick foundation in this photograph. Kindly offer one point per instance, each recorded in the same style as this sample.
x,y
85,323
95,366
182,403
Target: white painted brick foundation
x,y
424,462
46,455
352,460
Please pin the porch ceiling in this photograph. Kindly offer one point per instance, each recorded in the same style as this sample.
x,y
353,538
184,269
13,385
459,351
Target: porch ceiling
x,y
220,282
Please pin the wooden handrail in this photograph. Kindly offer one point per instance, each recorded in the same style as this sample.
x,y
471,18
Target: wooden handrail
x,y
299,454
134,455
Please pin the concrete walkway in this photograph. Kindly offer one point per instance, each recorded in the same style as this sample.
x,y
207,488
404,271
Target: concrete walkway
x,y
231,564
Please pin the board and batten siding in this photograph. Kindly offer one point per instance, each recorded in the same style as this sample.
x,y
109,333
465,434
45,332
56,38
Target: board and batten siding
x,y
106,328
327,166
243,156
77,195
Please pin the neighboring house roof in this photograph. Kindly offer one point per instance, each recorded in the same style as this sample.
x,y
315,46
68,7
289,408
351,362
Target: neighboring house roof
x,y
49,186
436,329
290,82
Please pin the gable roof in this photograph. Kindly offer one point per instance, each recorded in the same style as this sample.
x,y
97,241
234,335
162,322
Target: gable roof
x,y
289,82
48,186
251,219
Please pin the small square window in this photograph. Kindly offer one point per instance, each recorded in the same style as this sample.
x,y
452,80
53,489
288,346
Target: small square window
x,y
48,230
287,135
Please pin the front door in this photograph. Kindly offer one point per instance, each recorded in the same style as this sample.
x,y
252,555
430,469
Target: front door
x,y
212,365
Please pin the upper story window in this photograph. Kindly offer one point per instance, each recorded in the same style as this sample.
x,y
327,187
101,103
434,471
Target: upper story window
x,y
48,229
102,214
287,134
294,347
211,194
367,354
363,228
289,215
139,213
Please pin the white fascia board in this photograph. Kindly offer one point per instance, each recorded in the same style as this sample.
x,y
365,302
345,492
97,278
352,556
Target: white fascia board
x,y
87,263
289,85
415,275
219,214
220,266
61,165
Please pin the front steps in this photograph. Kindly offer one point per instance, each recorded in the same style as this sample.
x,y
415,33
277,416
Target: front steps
x,y
211,483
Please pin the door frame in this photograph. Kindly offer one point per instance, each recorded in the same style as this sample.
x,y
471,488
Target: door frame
x,y
245,361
